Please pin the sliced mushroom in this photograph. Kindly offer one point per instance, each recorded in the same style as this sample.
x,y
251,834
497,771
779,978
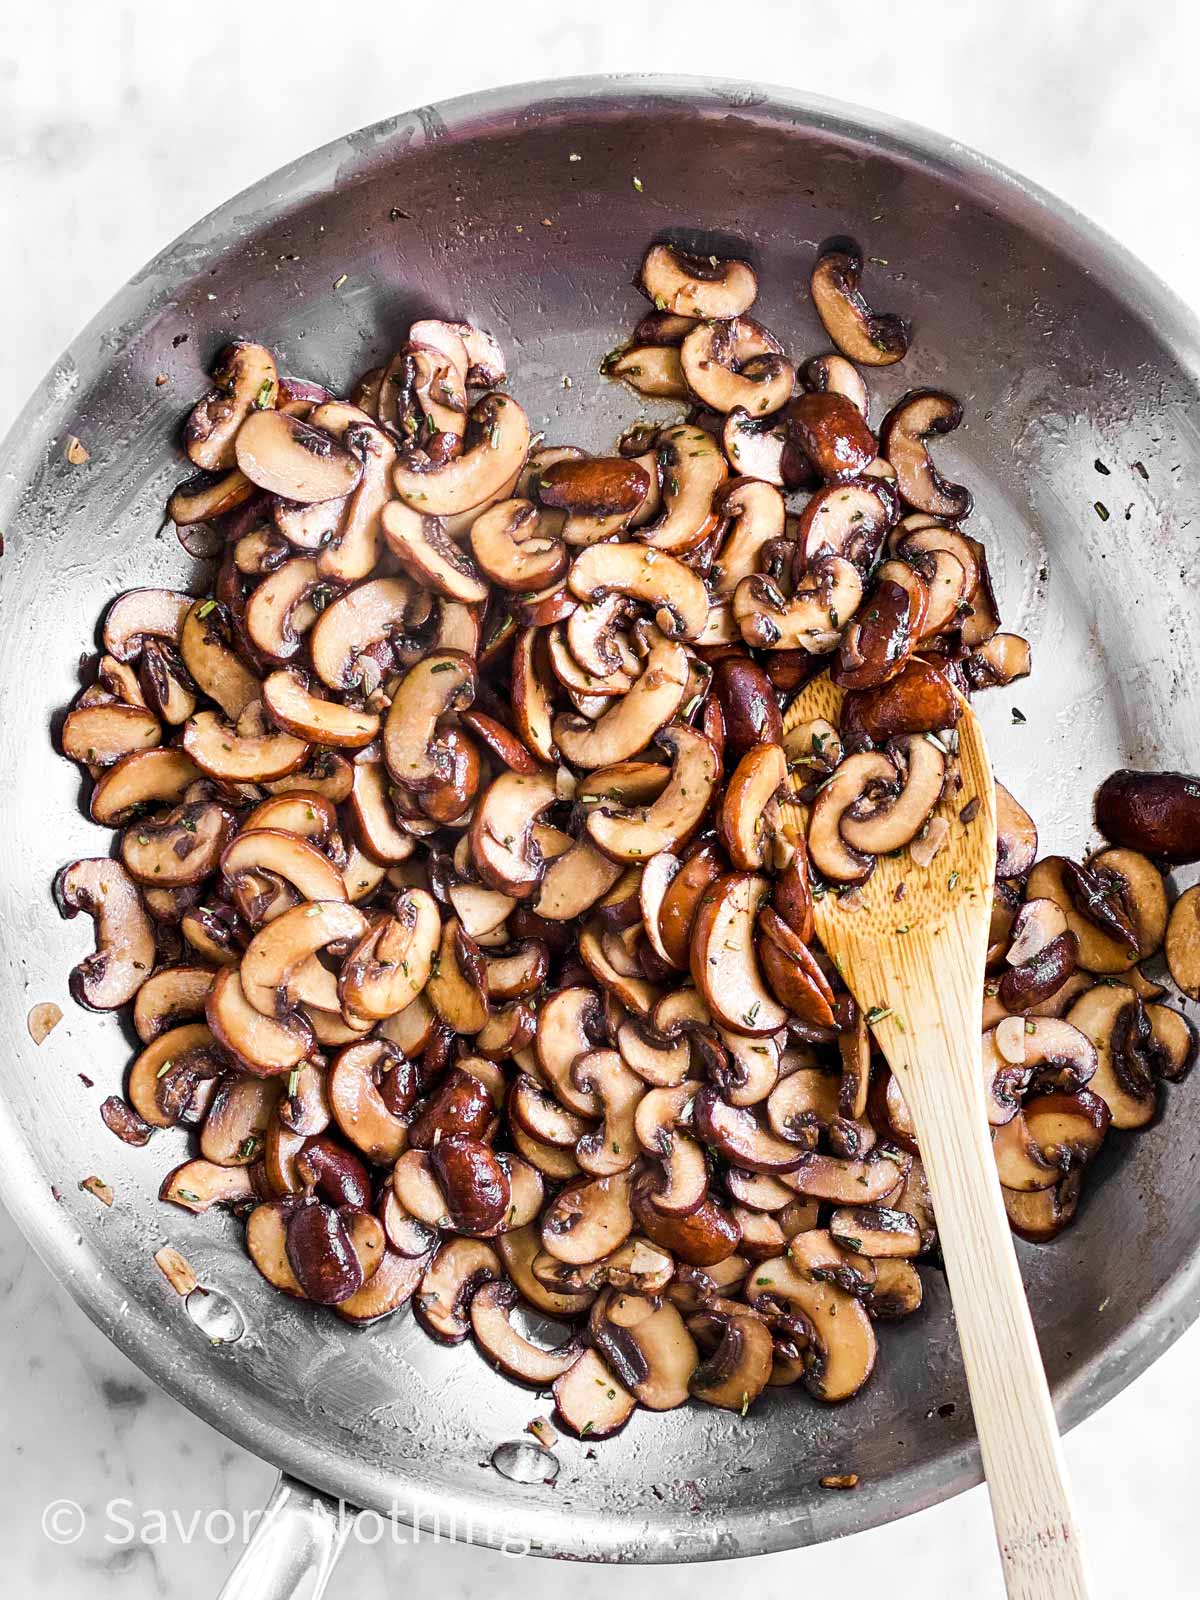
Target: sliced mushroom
x,y
592,1403
494,449
872,339
724,965
458,1269
244,379
1157,813
736,362
264,1045
125,949
849,1180
286,856
749,814
879,827
634,719
636,834
290,458
1016,837
351,625
588,1219
102,735
846,519
391,964
652,578
417,755
178,848
647,1344
691,469
212,662
827,848
1113,1018
144,614
1094,911
695,286
224,752
277,971
1183,942
919,699
840,1353
165,1077
792,973
199,1185
811,620
653,370
292,706
923,414
142,778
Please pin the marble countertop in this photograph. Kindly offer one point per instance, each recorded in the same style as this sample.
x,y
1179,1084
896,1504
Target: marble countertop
x,y
117,129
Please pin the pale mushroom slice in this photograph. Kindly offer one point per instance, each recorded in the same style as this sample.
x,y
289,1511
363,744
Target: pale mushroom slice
x,y
142,614
811,619
691,469
879,826
207,495
591,1401
292,706
458,1269
245,378
277,971
518,546
634,719
1183,943
199,1185
840,1354
391,1286
647,1344
833,374
515,1355
125,948
294,460
206,645
178,848
349,626
756,516
865,336
168,997
724,964
697,286
165,1079
651,578
142,778
735,362
99,736
652,370
416,752
494,449
224,752
636,834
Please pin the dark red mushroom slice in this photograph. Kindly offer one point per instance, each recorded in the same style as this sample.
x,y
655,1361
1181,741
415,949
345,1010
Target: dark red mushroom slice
x,y
1157,813
830,432
919,699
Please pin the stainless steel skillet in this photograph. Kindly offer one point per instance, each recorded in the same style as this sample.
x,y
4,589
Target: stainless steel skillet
x,y
519,209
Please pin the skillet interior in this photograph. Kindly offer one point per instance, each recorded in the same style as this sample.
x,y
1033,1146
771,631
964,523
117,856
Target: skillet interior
x,y
1064,353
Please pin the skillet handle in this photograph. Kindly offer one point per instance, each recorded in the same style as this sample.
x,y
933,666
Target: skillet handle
x,y
295,1546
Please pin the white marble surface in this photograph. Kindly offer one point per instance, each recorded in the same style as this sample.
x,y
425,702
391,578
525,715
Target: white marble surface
x,y
119,125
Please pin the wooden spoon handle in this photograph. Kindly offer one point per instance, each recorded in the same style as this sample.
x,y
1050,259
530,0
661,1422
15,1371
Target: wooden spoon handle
x,y
1040,1544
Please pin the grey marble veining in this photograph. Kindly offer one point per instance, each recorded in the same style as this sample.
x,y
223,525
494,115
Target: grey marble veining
x,y
119,125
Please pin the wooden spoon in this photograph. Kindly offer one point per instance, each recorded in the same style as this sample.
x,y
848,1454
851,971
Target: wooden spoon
x,y
911,944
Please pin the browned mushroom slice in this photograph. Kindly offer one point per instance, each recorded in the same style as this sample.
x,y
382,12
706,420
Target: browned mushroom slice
x,y
647,1344
588,1219
391,964
504,849
1040,1215
1016,836
266,1244
879,826
830,433
848,1180
634,834
164,1078
897,1291
792,972
277,970
724,965
597,496
199,1185
697,286
653,370
691,469
519,1248
1113,1018
518,546
738,1365
612,1147
592,1402
422,548
164,684
811,620
833,374
756,447
168,997
827,848
212,663
287,856
848,520
390,1286
457,987
265,1045
880,1232
1157,813
225,752
416,756
614,964
178,848
244,379
518,1357
102,735
292,706
1066,1130
142,614
1020,1047
1095,907
516,970
749,813
349,626
292,459
322,1254
1041,957
736,362
495,447
803,1105
207,495
840,1353
634,719
741,1138
235,1125
921,415
653,579
1183,942
144,777
458,1269
873,339
370,1087
125,949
